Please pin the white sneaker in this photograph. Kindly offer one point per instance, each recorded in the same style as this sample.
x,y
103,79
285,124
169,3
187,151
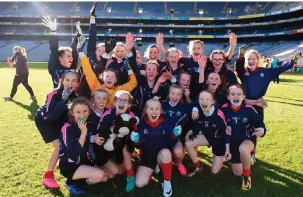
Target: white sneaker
x,y
167,189
157,169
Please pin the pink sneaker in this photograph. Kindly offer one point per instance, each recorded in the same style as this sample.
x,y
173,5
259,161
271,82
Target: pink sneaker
x,y
50,183
182,170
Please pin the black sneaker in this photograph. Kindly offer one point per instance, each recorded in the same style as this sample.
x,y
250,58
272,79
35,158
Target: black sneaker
x,y
8,98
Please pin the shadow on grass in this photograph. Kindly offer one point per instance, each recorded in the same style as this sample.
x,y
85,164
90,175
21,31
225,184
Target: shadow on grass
x,y
32,108
295,104
284,98
288,80
267,180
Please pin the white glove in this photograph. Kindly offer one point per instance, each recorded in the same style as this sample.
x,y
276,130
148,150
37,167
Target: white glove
x,y
79,28
46,21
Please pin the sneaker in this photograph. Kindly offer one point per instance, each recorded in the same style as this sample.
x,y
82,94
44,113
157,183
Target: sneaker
x,y
181,168
130,185
253,160
50,183
195,172
246,183
33,98
73,189
167,189
8,98
157,169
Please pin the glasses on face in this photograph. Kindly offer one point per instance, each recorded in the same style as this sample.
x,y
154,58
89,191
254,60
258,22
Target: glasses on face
x,y
217,60
124,101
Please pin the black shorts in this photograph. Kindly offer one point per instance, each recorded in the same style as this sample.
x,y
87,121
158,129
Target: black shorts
x,y
218,147
149,158
68,169
49,130
101,156
234,150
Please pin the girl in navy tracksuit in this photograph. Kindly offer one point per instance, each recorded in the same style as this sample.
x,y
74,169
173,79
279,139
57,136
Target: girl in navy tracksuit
x,y
50,118
190,64
117,62
145,87
208,130
122,103
212,84
178,115
61,59
95,55
21,72
100,157
255,79
155,138
244,125
74,163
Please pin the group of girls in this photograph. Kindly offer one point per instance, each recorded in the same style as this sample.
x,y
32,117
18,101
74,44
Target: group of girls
x,y
182,103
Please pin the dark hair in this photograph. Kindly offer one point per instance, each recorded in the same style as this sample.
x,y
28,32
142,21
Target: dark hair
x,y
78,101
62,50
212,95
182,73
109,70
237,86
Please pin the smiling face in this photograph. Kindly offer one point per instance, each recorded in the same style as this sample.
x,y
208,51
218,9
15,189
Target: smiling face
x,y
218,61
151,71
70,81
110,79
122,103
173,58
196,50
119,52
175,95
235,96
153,53
213,81
252,60
184,81
206,101
66,59
153,110
100,50
80,111
100,99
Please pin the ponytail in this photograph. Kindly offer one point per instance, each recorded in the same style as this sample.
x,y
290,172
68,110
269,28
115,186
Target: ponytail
x,y
23,51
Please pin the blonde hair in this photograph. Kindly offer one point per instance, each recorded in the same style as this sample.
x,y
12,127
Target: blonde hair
x,y
257,54
98,90
146,52
147,105
21,50
172,49
191,45
121,92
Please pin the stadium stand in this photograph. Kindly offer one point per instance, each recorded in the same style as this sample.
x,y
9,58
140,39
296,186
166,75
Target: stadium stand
x,y
260,25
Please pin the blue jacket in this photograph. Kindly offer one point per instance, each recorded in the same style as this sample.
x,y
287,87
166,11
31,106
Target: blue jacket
x,y
256,82
55,69
242,122
71,150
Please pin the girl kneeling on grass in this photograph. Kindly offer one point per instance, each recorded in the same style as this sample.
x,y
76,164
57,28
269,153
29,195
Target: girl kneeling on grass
x,y
74,141
244,126
208,130
121,155
154,138
51,117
